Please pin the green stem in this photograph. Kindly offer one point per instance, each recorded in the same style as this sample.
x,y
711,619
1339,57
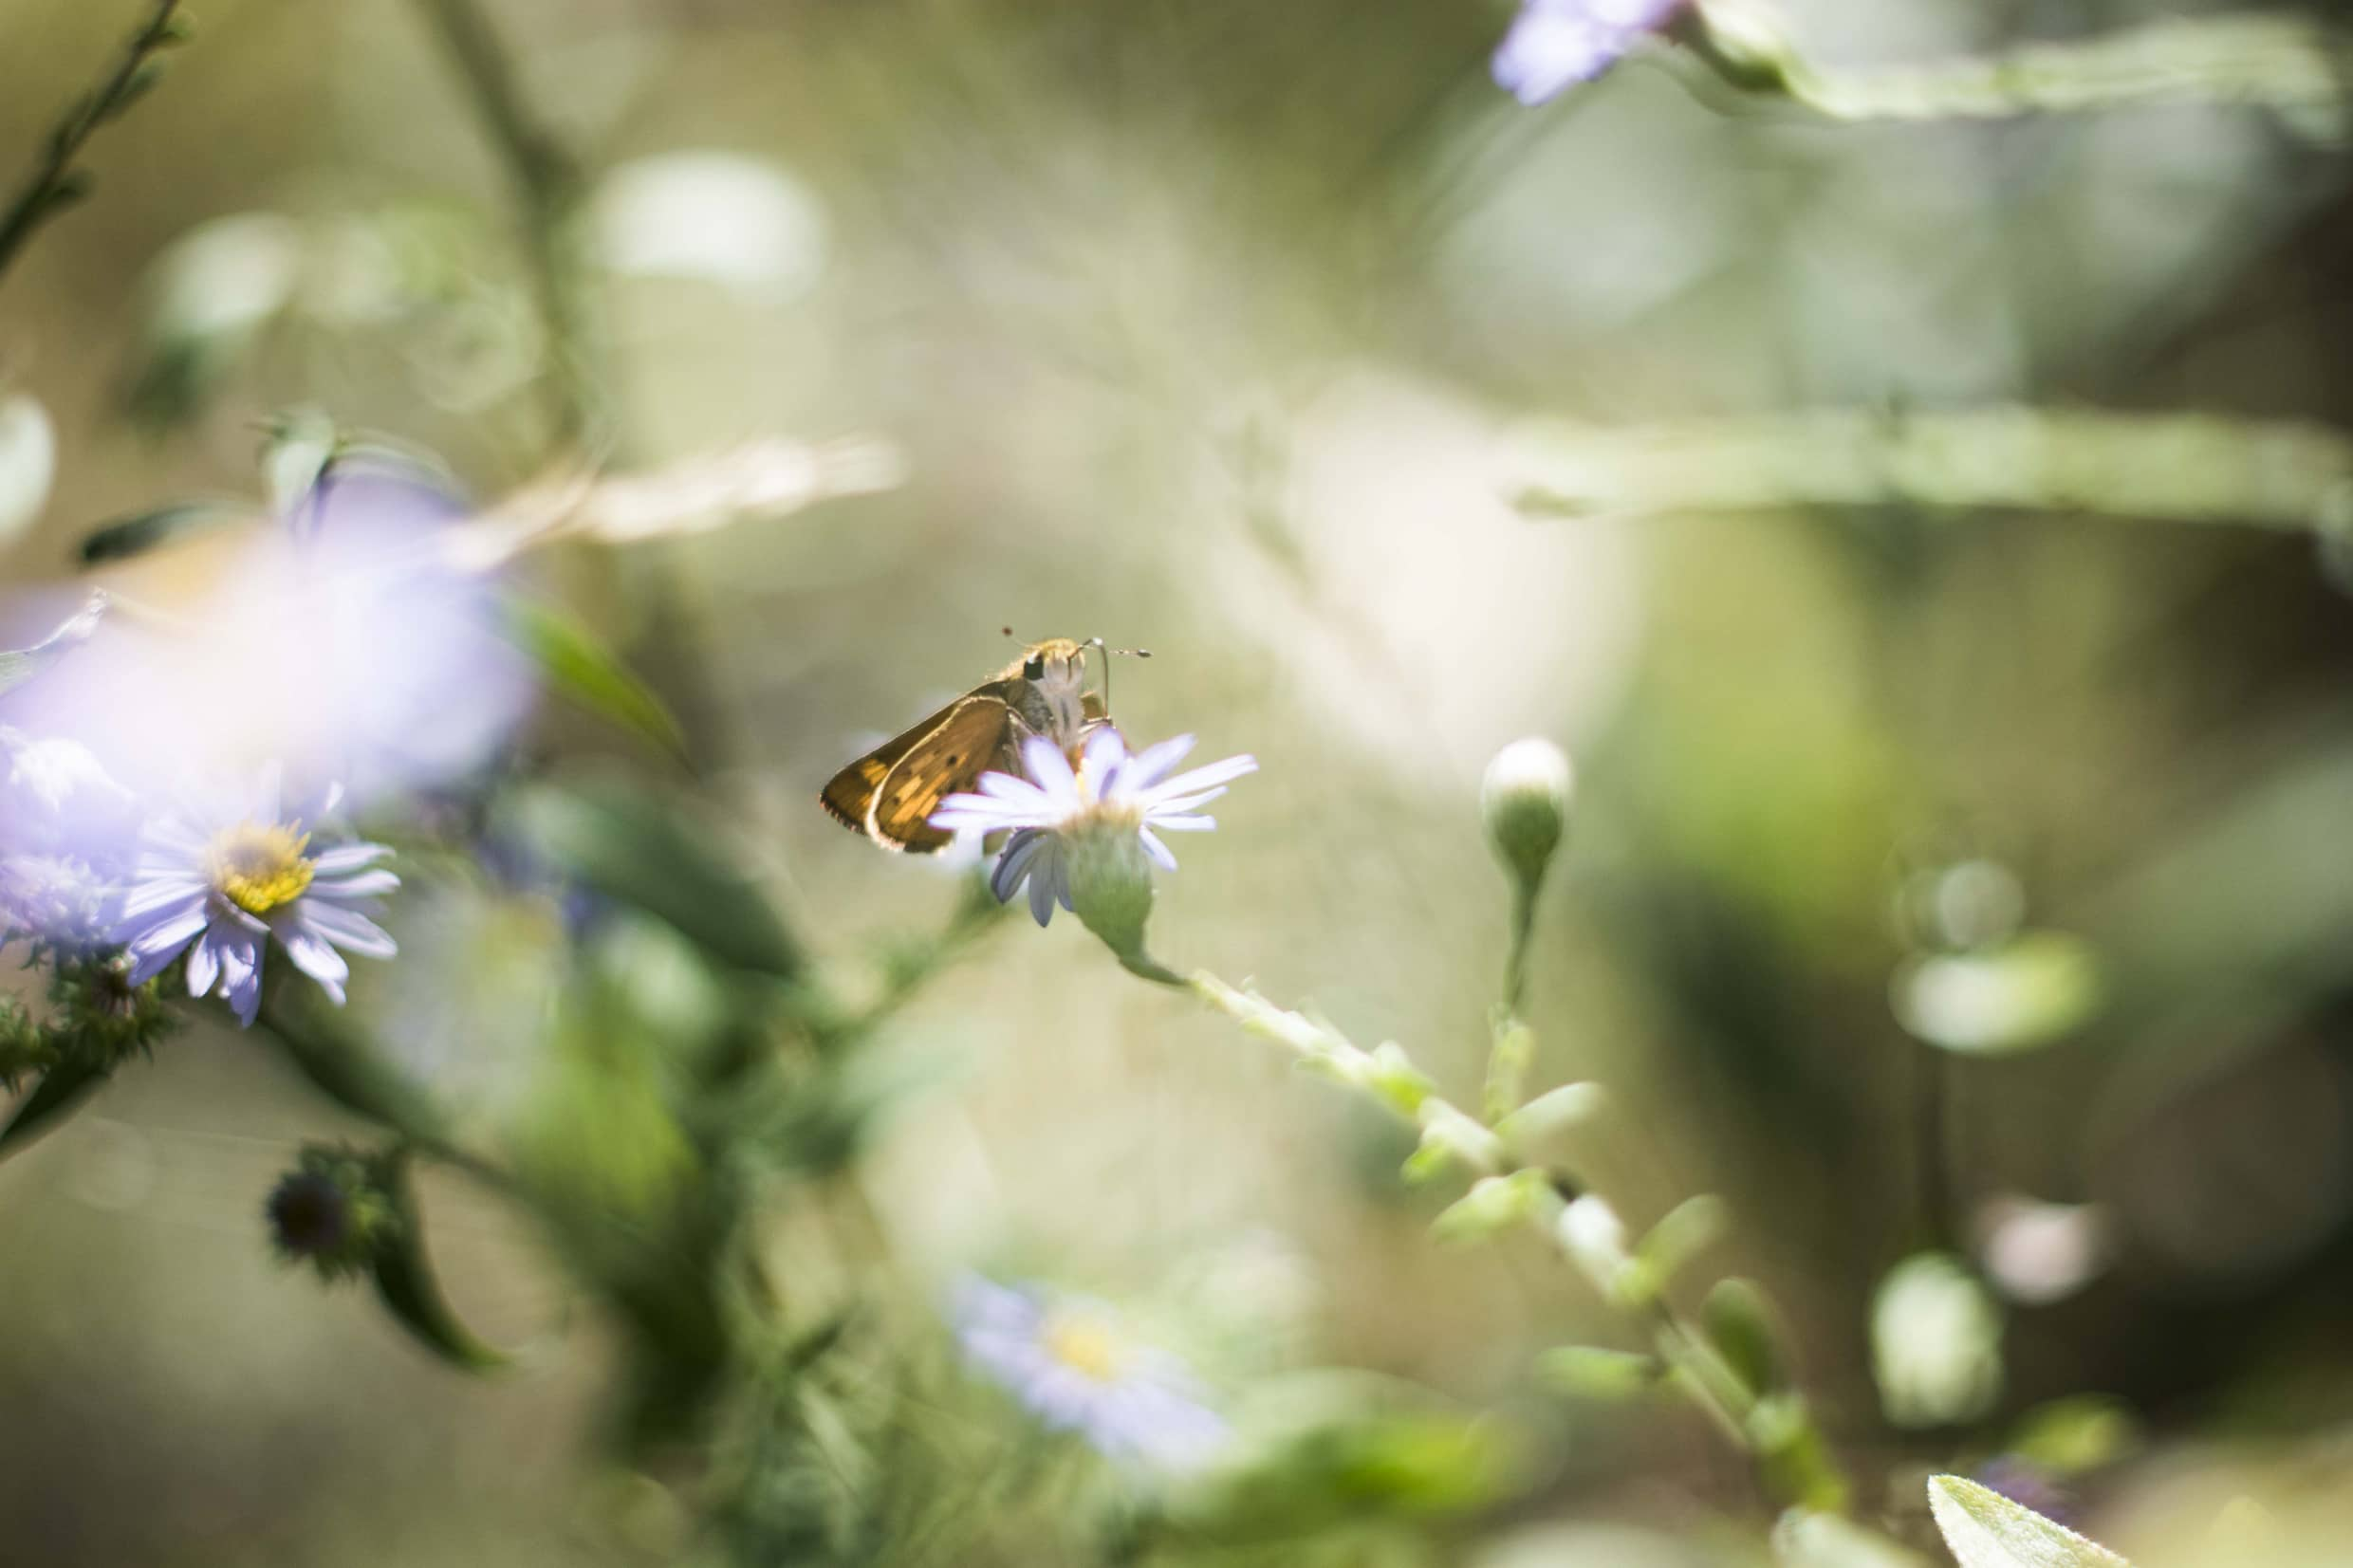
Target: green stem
x,y
54,183
2274,62
2163,468
2286,63
548,189
1389,1080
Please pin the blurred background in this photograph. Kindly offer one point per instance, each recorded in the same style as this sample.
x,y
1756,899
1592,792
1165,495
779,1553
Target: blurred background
x,y
1968,883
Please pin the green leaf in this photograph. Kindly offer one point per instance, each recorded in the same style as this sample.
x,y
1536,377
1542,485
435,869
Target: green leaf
x,y
135,535
1748,1332
577,664
17,666
1589,1371
1987,1530
404,1278
1686,1231
62,1088
632,846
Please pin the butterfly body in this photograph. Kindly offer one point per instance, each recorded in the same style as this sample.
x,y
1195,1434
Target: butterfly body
x,y
890,793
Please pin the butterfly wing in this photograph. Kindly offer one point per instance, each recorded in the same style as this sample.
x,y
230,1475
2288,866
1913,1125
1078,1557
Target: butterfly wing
x,y
890,793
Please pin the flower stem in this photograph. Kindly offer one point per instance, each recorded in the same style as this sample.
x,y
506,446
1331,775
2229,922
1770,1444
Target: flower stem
x,y
1388,1078
54,183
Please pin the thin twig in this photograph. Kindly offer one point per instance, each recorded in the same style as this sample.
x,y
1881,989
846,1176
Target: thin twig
x,y
549,185
55,184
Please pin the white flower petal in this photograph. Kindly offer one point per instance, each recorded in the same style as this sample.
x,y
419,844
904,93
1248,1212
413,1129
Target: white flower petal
x,y
365,884
349,930
203,966
1204,778
1022,848
315,958
1157,850
155,947
1153,762
1051,770
345,859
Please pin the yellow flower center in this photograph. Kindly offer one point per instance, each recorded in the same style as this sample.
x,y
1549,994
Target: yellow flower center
x,y
1086,1345
259,868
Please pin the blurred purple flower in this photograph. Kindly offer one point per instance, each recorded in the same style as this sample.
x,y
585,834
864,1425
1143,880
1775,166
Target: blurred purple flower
x,y
66,832
1109,789
1556,43
217,884
340,643
1069,1363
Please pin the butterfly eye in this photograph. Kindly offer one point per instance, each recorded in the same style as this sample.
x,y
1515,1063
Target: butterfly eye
x,y
1034,669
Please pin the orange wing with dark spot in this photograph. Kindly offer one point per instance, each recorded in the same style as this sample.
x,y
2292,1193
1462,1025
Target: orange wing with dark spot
x,y
890,793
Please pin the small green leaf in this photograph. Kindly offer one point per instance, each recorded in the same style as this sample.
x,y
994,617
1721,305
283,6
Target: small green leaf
x,y
1589,1371
576,663
137,534
404,1278
62,1088
632,846
1746,1330
1987,1530
1686,1231
1494,1204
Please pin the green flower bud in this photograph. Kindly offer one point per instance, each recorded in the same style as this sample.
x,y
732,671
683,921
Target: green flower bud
x,y
1111,887
333,1210
1525,798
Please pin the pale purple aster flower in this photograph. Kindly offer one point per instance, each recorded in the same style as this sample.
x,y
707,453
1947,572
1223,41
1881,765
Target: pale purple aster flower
x,y
1109,789
1556,43
217,884
1073,1365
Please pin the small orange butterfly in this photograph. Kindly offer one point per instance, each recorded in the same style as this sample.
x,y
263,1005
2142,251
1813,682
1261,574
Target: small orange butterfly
x,y
890,793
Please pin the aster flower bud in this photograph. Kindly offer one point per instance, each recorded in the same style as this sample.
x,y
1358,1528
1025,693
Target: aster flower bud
x,y
1110,881
333,1211
1525,798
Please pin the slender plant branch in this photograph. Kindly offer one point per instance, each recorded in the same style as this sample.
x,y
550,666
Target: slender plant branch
x,y
2283,62
54,183
549,188
2163,468
1503,1176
